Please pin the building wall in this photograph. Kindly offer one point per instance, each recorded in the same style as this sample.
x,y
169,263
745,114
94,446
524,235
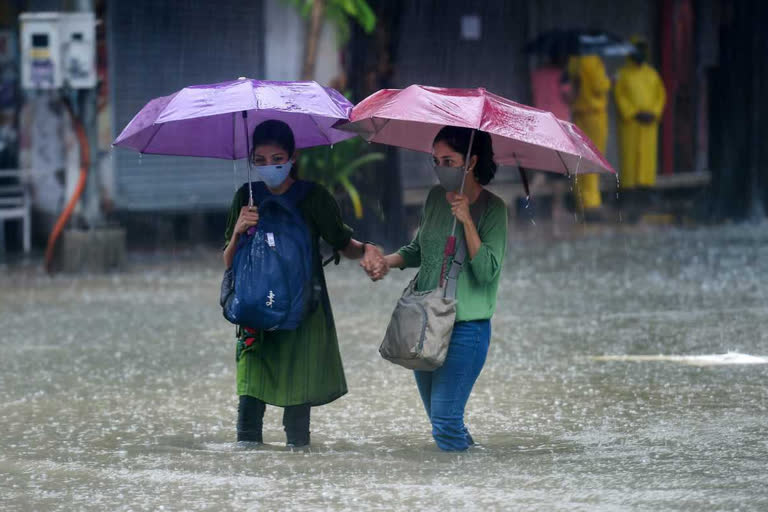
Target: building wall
x,y
431,50
156,48
626,18
284,40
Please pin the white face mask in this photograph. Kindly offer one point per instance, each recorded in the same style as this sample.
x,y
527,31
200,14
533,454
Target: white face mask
x,y
274,175
451,178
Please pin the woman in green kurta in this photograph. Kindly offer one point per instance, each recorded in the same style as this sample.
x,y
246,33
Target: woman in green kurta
x,y
300,368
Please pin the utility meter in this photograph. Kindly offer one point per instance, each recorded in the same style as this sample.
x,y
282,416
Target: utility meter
x,y
58,49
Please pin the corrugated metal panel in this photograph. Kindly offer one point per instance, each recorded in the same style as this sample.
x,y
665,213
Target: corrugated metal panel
x,y
157,48
431,52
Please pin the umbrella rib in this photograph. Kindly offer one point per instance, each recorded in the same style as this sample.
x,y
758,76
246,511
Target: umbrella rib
x,y
567,170
142,150
234,129
378,130
321,130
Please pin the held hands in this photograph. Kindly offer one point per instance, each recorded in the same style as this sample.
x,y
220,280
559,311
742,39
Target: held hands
x,y
374,263
249,217
459,207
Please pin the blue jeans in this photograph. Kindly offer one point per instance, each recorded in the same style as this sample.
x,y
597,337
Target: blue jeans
x,y
446,390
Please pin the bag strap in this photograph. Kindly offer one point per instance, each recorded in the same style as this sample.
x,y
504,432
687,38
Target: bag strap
x,y
296,194
476,211
285,204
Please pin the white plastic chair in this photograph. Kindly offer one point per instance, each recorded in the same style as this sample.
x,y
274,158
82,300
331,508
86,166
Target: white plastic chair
x,y
15,202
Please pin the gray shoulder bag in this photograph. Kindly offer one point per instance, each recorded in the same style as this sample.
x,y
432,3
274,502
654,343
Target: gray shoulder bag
x,y
421,326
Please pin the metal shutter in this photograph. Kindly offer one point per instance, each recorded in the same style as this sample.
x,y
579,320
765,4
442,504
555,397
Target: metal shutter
x,y
157,48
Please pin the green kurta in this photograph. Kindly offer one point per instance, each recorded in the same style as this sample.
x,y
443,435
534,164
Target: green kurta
x,y
302,366
479,279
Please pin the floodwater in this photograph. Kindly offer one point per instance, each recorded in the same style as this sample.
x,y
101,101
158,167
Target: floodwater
x,y
117,392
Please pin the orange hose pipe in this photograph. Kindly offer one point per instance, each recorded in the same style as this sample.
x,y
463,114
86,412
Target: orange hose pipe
x,y
85,161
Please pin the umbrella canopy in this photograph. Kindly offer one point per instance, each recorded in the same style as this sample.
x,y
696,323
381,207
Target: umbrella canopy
x,y
217,120
587,149
580,42
523,136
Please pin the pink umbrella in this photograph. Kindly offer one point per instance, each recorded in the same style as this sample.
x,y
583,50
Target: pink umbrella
x,y
523,136
589,151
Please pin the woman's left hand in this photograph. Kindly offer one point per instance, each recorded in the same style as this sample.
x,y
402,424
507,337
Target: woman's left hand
x,y
374,263
459,207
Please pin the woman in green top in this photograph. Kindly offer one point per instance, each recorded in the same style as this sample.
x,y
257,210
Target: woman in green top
x,y
301,368
446,390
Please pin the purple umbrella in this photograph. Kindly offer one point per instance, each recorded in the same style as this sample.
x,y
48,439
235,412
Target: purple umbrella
x,y
216,120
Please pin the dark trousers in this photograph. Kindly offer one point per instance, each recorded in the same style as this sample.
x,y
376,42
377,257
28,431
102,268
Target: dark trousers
x,y
250,421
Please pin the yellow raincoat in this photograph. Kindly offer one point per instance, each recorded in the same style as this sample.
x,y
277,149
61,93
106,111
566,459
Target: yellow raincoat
x,y
589,109
638,89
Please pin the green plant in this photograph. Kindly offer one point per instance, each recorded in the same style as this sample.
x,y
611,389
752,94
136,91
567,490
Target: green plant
x,y
340,13
334,166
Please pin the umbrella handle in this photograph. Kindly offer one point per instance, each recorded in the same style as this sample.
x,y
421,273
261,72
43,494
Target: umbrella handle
x,y
247,157
466,160
450,250
463,180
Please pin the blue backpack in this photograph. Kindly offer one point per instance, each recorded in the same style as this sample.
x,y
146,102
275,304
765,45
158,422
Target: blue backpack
x,y
270,283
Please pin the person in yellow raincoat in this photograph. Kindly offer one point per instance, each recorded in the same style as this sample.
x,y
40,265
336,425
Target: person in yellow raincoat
x,y
640,98
589,108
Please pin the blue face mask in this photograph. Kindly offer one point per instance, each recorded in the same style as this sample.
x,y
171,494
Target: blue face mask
x,y
274,175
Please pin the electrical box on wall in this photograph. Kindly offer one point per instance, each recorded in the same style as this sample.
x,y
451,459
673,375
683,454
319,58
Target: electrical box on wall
x,y
58,49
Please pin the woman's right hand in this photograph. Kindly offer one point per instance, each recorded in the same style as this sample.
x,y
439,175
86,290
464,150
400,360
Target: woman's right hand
x,y
249,217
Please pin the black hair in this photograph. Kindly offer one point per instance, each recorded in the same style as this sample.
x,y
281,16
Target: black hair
x,y
482,147
277,133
